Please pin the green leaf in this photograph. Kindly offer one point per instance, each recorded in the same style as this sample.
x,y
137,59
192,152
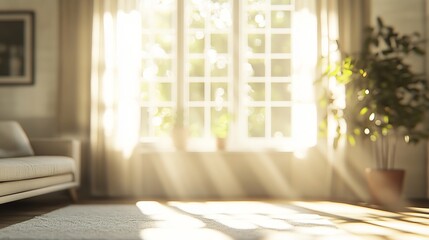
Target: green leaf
x,y
352,140
334,72
418,50
363,73
380,22
357,132
363,111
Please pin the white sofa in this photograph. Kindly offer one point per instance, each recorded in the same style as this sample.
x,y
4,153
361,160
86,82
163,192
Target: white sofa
x,y
32,167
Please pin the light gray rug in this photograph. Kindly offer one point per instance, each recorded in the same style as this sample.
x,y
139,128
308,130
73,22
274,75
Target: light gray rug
x,y
175,220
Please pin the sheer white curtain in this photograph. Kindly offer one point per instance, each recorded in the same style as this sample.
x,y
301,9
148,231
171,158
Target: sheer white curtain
x,y
115,74
115,113
74,76
343,22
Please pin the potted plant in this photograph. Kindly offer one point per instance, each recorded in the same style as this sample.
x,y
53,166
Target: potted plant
x,y
386,102
220,130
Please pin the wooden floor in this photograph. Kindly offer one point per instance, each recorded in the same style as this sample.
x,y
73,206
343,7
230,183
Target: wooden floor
x,y
22,210
360,220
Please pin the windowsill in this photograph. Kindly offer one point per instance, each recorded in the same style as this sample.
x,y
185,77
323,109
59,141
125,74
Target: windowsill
x,y
167,148
209,146
211,151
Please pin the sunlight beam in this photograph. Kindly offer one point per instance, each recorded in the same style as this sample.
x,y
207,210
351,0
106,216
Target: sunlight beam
x,y
304,54
220,175
270,175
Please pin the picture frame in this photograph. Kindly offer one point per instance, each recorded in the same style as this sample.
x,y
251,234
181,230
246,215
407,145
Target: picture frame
x,y
17,47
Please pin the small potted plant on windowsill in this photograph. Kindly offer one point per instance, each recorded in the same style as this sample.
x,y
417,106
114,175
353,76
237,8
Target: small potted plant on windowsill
x,y
220,130
386,102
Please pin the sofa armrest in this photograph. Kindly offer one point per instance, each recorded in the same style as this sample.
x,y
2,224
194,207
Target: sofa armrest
x,y
58,147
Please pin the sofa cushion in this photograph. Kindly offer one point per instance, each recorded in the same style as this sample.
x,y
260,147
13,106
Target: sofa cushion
x,y
12,169
7,188
13,140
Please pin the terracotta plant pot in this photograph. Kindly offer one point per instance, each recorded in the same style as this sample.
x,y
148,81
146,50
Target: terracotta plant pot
x,y
221,144
385,186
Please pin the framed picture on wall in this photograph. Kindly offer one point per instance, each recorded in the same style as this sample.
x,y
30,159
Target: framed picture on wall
x,y
16,47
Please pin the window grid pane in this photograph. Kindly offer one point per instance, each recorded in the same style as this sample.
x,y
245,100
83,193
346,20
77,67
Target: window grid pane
x,y
263,97
267,67
158,80
208,51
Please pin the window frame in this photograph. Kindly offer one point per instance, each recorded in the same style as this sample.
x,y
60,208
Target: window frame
x,y
238,139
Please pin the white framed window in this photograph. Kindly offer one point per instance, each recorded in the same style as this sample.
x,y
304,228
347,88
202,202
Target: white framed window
x,y
207,61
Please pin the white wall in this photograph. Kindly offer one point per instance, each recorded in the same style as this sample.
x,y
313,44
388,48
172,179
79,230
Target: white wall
x,y
35,106
227,175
